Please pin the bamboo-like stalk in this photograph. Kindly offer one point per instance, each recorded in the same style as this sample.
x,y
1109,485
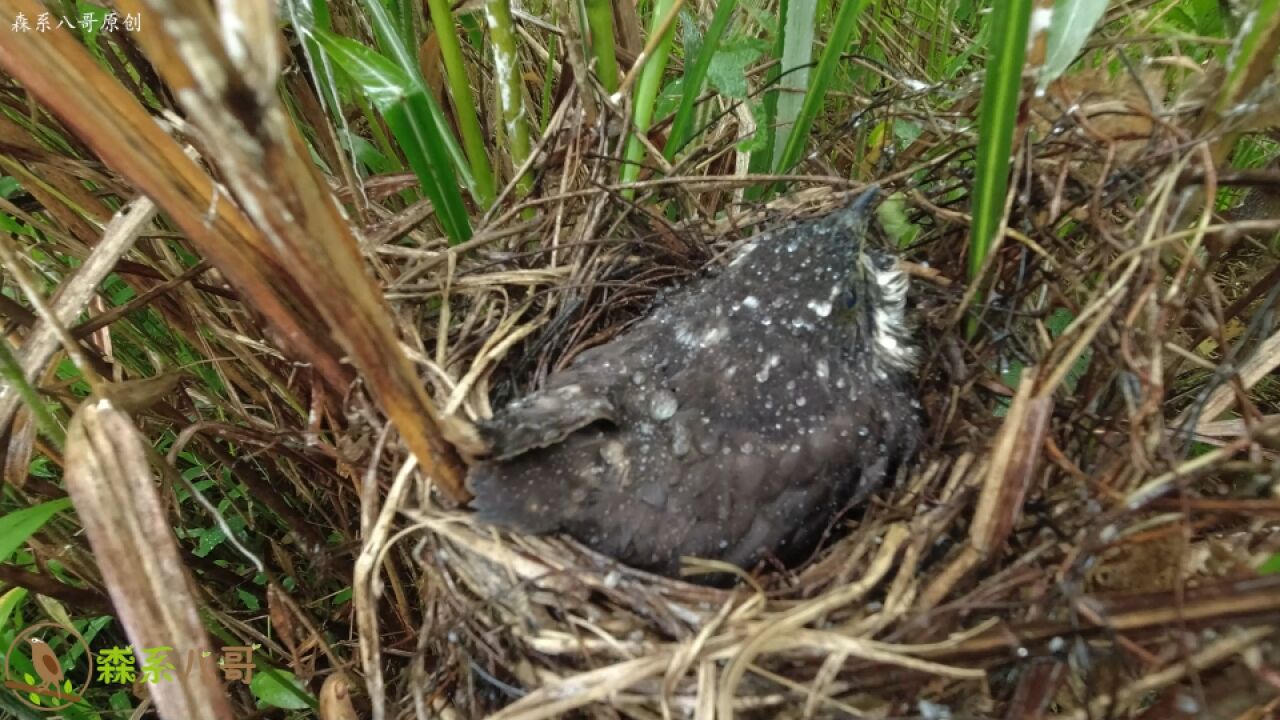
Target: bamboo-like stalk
x,y
473,140
600,20
647,89
506,72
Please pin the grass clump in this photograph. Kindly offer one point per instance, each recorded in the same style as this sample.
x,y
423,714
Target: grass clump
x,y
261,274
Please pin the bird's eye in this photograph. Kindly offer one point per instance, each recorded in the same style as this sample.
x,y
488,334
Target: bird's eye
x,y
848,299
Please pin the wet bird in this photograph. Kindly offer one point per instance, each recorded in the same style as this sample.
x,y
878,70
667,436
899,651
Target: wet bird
x,y
736,422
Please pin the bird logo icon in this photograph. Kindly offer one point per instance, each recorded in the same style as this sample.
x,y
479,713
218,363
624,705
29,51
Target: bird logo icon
x,y
47,685
46,663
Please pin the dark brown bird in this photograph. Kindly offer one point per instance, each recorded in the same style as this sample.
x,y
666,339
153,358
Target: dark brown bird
x,y
736,421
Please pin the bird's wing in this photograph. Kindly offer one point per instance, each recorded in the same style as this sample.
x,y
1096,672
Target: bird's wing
x,y
543,419
786,440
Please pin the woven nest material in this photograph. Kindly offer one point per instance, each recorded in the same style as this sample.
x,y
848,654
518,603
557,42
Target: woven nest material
x,y
879,622
588,630
1081,537
997,558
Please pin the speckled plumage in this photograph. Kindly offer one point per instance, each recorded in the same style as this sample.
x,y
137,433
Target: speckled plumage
x,y
735,421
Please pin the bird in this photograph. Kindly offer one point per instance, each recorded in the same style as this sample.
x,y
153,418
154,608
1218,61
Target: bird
x,y
735,422
46,663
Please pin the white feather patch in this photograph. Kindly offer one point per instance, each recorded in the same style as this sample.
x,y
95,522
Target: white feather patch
x,y
891,337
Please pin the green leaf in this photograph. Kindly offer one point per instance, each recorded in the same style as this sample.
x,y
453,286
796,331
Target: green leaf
x,y
89,631
599,16
906,132
395,70
56,611
446,32
1210,17
695,74
645,94
210,538
892,214
385,30
306,16
366,153
793,78
279,688
10,602
385,84
1069,27
16,527
120,701
401,15
1271,566
996,122
669,99
757,141
1057,323
1252,57
406,106
728,69
9,225
99,15
837,44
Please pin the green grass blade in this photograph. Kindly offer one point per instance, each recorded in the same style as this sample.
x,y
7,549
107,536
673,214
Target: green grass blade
x,y
761,160
473,138
797,54
695,76
823,76
11,374
1252,57
401,14
306,15
997,119
17,526
334,87
404,104
646,92
1072,23
600,20
386,30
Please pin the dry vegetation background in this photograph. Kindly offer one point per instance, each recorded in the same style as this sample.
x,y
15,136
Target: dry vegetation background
x,y
260,271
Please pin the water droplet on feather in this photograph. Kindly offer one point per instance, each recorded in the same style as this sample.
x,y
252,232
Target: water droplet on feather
x,y
663,405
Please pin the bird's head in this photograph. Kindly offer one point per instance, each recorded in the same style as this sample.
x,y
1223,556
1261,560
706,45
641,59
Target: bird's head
x,y
824,275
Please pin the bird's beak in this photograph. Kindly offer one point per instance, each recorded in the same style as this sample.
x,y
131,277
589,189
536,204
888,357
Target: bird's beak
x,y
865,200
854,218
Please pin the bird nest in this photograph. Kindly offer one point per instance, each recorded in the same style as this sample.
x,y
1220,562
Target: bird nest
x,y
588,633
1080,536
